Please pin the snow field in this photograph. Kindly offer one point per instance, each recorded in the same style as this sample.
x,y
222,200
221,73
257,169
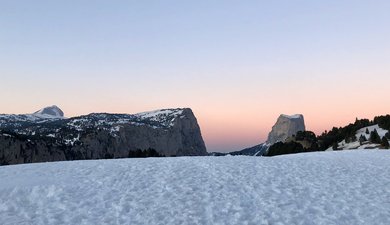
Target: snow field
x,y
344,187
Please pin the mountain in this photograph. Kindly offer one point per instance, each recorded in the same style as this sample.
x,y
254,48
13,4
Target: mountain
x,y
47,136
362,134
285,127
51,111
12,121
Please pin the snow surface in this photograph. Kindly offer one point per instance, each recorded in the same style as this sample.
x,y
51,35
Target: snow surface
x,y
345,187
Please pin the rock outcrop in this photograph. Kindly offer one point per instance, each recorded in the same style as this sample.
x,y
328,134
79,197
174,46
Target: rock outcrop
x,y
285,127
171,132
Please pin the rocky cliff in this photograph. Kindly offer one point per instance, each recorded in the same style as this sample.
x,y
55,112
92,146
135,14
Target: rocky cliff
x,y
285,127
39,137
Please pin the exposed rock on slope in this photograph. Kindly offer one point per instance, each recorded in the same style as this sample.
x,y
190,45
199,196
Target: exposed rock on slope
x,y
285,127
171,132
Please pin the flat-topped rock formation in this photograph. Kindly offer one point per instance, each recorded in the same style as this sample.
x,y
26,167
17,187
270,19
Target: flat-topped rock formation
x,y
47,136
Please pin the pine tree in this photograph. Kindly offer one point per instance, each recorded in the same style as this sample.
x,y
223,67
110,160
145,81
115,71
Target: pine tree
x,y
362,139
353,138
347,139
374,137
385,142
367,131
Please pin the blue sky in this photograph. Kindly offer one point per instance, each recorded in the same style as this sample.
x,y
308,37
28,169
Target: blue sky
x,y
228,60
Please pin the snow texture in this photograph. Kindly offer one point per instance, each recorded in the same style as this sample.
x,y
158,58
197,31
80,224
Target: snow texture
x,y
346,187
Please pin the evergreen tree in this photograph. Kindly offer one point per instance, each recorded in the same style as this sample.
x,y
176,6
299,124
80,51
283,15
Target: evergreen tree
x,y
385,142
335,146
362,139
387,135
353,138
374,137
367,131
281,148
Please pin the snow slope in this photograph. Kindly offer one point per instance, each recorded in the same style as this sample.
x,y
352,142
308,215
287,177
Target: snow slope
x,y
356,144
346,187
381,132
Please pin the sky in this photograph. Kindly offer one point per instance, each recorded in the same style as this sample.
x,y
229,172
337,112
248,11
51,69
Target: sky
x,y
237,64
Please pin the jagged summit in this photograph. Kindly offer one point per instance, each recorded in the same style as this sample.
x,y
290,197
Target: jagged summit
x,y
52,111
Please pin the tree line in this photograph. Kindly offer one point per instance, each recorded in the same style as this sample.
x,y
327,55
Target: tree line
x,y
307,141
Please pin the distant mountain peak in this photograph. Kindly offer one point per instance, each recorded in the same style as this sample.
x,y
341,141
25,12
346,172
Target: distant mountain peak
x,y
285,127
51,111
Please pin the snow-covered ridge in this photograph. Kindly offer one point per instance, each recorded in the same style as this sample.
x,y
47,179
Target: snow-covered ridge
x,y
17,120
157,118
49,123
154,115
46,114
163,118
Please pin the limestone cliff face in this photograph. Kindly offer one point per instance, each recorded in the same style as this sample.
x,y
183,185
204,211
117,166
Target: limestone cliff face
x,y
182,137
171,132
285,127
